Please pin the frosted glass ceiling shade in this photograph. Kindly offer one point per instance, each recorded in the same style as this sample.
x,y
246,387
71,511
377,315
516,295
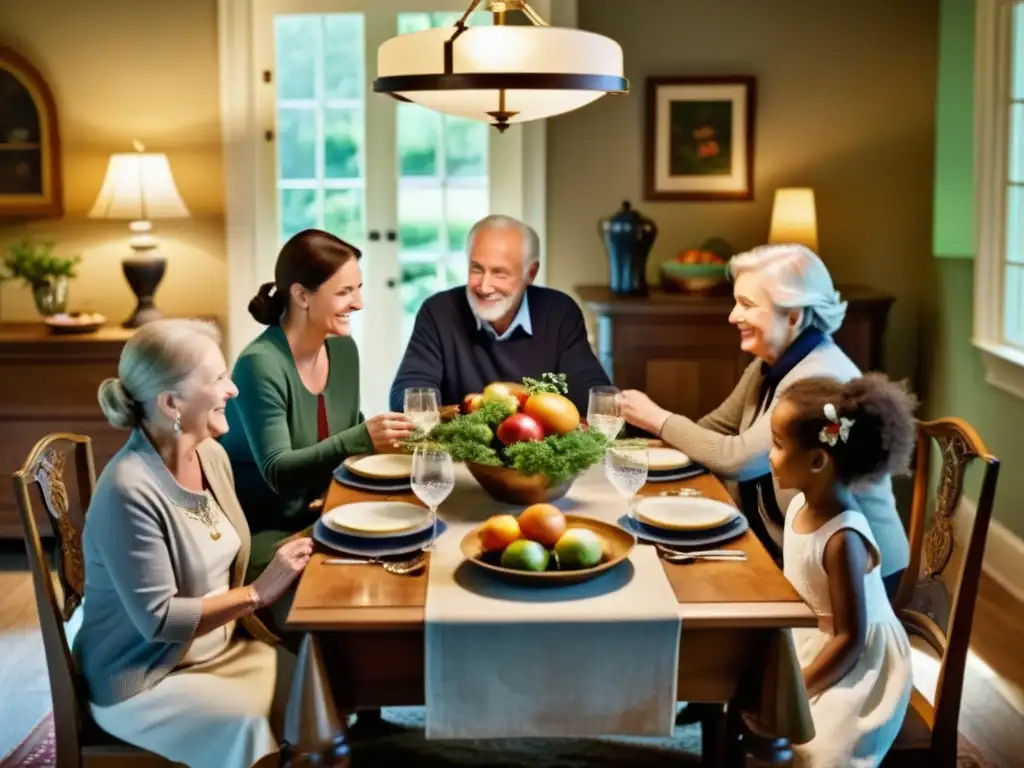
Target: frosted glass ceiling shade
x,y
501,74
138,186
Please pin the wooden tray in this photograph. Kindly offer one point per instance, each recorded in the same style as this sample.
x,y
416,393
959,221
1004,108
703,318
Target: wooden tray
x,y
617,546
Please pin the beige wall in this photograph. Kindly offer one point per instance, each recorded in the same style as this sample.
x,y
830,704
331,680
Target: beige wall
x,y
123,70
845,104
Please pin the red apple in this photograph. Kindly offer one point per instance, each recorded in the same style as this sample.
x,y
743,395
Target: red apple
x,y
520,428
472,402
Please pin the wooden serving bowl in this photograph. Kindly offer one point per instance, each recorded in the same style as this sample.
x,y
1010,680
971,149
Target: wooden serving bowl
x,y
617,546
510,486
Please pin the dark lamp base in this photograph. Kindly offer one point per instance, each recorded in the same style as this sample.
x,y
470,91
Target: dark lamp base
x,y
144,275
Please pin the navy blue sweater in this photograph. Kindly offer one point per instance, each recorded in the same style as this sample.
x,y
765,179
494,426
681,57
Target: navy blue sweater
x,y
448,352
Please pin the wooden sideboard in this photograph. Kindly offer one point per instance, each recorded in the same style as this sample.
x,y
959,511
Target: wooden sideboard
x,y
680,349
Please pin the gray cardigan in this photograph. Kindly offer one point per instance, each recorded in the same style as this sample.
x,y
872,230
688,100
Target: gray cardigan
x,y
144,576
730,444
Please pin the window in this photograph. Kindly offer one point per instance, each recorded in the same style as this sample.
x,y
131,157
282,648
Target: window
x,y
999,153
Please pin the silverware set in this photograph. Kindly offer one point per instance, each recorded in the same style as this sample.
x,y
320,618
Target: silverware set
x,y
680,558
398,567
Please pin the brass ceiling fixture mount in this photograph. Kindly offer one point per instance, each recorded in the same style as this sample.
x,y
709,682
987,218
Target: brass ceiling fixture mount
x,y
500,74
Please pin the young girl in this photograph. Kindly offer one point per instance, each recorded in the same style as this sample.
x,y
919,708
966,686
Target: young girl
x,y
826,437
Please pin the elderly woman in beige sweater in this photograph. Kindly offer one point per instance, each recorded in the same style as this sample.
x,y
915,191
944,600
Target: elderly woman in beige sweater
x,y
786,311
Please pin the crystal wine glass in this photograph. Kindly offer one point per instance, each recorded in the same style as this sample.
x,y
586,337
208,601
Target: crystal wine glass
x,y
604,411
422,408
433,478
626,466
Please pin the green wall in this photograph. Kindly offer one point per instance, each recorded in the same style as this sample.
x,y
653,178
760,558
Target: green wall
x,y
954,377
953,227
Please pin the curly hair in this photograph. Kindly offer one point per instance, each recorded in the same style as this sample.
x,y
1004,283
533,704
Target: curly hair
x,y
882,438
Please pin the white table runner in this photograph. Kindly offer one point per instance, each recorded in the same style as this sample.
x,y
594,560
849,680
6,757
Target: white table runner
x,y
507,661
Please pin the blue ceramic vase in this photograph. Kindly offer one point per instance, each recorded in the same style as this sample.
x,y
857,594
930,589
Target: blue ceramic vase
x,y
628,237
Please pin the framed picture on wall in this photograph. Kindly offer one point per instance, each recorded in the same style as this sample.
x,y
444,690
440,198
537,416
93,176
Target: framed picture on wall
x,y
699,142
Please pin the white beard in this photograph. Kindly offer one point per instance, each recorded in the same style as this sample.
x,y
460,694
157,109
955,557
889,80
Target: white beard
x,y
491,311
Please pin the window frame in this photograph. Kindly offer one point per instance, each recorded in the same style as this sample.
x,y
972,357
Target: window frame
x,y
993,68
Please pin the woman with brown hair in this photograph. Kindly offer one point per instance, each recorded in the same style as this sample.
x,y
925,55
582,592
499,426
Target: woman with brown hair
x,y
297,416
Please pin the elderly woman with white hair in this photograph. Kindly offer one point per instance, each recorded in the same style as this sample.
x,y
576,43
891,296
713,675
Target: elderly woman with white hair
x,y
174,658
786,311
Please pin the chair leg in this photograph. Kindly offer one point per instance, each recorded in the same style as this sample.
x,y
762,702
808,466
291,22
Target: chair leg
x,y
314,730
712,736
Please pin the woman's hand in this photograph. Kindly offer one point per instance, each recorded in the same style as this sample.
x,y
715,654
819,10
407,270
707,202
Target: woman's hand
x,y
289,561
640,411
388,430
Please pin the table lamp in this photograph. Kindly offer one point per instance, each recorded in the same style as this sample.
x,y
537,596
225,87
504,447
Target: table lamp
x,y
139,187
794,219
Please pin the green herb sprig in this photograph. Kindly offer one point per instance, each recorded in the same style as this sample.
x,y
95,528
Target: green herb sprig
x,y
548,382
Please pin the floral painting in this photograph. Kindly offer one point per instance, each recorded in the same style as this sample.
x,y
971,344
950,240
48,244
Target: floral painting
x,y
700,138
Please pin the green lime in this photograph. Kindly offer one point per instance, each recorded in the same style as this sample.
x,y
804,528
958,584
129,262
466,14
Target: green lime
x,y
578,548
525,555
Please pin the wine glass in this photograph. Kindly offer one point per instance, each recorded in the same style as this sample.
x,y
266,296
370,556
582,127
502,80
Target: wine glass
x,y
625,465
604,411
433,478
422,408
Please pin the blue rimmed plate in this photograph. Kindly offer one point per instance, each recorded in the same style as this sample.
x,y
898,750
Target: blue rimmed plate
x,y
673,475
352,480
381,547
681,540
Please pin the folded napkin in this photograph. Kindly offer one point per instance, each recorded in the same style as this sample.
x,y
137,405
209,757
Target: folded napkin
x,y
508,661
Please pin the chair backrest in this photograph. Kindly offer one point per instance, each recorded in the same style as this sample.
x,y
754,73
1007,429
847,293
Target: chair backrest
x,y
937,594
43,476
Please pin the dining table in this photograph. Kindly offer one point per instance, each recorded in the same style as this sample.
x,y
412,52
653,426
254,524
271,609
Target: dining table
x,y
362,632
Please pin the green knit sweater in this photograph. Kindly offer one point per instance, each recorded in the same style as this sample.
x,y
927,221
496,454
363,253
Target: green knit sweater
x,y
278,463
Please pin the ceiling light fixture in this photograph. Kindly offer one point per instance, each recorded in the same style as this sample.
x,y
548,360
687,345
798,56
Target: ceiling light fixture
x,y
500,74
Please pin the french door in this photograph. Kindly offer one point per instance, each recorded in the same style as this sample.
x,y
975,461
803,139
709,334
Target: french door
x,y
402,183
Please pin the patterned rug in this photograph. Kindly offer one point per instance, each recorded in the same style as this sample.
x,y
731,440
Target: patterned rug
x,y
405,745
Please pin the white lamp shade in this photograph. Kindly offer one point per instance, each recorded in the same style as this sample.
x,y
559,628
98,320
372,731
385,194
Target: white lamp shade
x,y
502,50
138,186
794,218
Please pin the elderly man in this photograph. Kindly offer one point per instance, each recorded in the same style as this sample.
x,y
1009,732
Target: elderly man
x,y
498,327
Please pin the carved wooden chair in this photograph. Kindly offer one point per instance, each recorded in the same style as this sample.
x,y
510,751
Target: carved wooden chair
x,y
79,741
937,594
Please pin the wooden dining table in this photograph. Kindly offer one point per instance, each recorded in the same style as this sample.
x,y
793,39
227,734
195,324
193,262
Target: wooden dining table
x,y
363,642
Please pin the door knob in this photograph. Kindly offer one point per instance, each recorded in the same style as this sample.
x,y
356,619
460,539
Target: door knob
x,y
391,283
392,235
374,235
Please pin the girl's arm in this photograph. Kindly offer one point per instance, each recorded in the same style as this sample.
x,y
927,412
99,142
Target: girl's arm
x,y
846,560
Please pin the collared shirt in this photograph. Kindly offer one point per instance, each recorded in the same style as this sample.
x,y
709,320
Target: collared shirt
x,y
521,320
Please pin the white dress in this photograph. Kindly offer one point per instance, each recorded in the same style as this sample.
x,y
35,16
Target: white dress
x,y
859,717
214,710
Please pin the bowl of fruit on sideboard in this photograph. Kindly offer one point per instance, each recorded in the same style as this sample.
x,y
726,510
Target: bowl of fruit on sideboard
x,y
697,270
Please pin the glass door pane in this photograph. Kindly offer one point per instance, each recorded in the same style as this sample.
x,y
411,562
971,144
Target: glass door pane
x,y
443,187
319,111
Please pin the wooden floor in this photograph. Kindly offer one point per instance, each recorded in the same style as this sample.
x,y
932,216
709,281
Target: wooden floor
x,y
992,714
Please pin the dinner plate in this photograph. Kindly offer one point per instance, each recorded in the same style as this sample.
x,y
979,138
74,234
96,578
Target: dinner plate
x,y
673,475
686,540
684,513
376,519
665,459
381,466
362,547
343,476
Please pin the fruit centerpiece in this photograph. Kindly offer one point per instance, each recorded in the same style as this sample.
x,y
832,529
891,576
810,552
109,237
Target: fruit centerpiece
x,y
543,545
697,269
524,443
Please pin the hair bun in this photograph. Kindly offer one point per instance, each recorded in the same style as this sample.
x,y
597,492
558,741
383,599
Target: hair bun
x,y
267,306
117,405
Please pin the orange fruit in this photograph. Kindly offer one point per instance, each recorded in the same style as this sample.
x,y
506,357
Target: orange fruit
x,y
543,523
498,532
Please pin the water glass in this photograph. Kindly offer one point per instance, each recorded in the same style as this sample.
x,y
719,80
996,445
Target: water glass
x,y
422,408
433,478
604,411
626,469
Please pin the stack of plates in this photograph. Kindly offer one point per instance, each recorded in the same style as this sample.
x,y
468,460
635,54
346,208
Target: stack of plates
x,y
384,472
376,528
667,465
685,521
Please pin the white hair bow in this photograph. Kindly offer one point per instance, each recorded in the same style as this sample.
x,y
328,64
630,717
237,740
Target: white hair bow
x,y
837,428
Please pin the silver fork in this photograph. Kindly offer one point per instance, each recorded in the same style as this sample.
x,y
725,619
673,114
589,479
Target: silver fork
x,y
676,556
398,567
